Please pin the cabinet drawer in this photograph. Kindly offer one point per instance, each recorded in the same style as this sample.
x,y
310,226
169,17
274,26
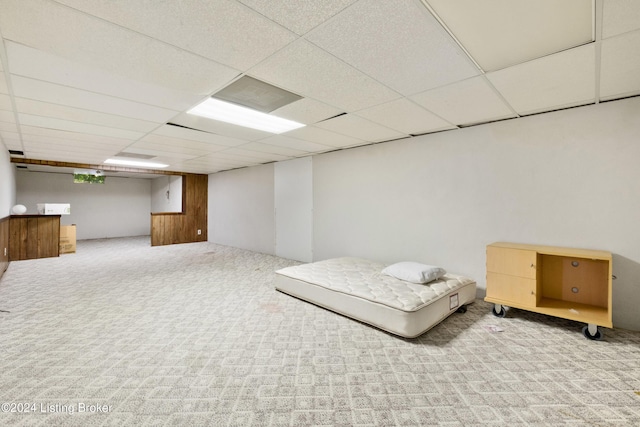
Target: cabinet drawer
x,y
513,262
511,288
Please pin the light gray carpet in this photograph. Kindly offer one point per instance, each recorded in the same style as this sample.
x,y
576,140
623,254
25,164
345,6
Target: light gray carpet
x,y
195,334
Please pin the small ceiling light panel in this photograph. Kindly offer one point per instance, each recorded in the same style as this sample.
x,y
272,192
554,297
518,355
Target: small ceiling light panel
x,y
138,163
231,113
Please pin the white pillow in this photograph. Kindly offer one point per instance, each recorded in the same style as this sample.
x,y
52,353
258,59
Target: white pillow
x,y
414,272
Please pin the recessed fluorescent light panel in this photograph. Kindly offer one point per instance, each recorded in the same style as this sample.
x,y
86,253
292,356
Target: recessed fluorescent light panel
x,y
230,113
138,163
256,94
246,103
135,155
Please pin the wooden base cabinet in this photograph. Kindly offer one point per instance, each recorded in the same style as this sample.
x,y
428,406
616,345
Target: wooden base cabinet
x,y
34,236
570,283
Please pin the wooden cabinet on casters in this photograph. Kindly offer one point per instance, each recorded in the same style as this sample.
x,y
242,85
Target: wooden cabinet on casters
x,y
570,283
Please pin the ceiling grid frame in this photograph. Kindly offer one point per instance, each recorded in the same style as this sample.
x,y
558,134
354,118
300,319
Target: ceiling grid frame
x,y
316,139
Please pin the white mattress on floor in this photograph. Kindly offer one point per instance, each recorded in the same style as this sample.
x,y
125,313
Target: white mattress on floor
x,y
356,288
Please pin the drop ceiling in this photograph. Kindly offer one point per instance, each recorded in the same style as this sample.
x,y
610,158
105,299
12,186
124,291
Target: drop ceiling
x,y
83,81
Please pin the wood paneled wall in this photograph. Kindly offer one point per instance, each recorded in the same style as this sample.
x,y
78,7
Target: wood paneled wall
x,y
170,227
34,236
4,244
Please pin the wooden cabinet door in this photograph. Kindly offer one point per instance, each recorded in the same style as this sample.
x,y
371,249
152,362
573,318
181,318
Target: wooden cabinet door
x,y
513,289
512,262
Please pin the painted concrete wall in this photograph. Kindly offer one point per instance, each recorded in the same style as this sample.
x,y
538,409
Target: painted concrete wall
x,y
120,207
166,194
241,209
293,187
568,178
7,182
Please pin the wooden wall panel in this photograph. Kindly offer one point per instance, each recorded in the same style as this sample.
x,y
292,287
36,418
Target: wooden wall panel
x,y
34,236
17,238
48,237
31,238
170,228
4,244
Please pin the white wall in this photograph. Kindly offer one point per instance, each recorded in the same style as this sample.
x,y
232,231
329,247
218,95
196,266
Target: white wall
x,y
241,208
569,178
166,194
293,182
7,182
117,208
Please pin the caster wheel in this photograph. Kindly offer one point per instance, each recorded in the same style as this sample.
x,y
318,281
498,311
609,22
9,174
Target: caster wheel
x,y
500,313
595,337
462,309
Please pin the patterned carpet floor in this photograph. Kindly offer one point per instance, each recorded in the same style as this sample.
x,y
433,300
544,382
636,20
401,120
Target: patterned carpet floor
x,y
124,334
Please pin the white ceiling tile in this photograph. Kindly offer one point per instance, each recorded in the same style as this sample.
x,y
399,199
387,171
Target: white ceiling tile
x,y
620,16
37,108
267,148
215,160
77,148
54,148
620,67
237,159
3,83
298,16
7,116
45,134
360,128
502,33
223,30
66,153
169,159
90,79
309,71
55,94
556,81
196,135
81,38
5,103
324,137
466,102
307,111
178,145
39,65
219,128
367,36
52,123
69,156
174,154
9,136
296,144
8,127
405,116
210,165
12,144
150,149
256,155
